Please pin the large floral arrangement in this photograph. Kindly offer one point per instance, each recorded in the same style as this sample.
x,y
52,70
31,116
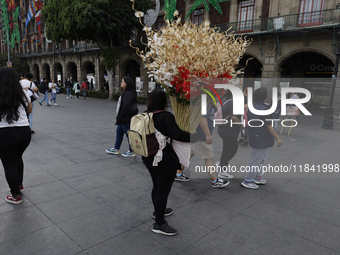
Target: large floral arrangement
x,y
180,53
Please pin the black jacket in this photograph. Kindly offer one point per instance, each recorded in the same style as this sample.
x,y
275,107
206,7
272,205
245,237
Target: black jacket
x,y
44,87
128,108
260,137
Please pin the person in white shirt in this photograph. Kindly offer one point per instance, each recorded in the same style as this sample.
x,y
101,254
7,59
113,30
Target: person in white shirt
x,y
53,88
26,82
15,133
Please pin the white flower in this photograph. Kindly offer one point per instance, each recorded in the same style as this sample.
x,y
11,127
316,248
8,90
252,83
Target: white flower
x,y
139,14
176,13
147,29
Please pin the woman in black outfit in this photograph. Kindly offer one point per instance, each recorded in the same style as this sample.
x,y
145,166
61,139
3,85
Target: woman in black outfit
x,y
15,133
164,174
127,107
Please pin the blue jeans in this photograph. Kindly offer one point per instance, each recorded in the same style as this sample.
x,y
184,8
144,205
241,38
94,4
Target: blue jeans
x,y
45,98
120,131
68,90
84,93
54,97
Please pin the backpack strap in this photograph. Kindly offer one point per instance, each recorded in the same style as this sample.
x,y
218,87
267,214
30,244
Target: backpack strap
x,y
157,111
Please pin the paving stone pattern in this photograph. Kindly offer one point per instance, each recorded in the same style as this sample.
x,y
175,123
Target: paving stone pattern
x,y
80,200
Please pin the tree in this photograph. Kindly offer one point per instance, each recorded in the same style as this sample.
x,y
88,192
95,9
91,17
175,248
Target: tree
x,y
17,64
105,22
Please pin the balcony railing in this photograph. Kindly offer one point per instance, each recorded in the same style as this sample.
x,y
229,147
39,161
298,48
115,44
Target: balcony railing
x,y
298,21
84,47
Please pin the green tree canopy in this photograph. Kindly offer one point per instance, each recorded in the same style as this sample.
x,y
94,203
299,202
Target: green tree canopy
x,y
17,64
109,23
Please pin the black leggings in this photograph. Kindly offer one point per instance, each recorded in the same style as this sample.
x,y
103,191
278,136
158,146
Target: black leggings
x,y
229,149
14,141
162,177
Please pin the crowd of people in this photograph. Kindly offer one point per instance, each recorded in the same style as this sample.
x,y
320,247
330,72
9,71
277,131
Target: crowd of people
x,y
16,119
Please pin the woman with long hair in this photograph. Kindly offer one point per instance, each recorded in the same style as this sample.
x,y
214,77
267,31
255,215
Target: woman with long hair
x,y
163,175
126,108
15,133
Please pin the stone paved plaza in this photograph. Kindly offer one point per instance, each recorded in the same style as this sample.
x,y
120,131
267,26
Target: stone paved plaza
x,y
80,200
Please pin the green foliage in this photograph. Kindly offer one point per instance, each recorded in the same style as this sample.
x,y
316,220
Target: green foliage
x,y
97,94
15,36
17,64
111,57
170,6
105,22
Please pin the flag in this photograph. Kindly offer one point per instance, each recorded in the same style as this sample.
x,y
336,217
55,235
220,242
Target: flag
x,y
30,14
38,21
22,6
11,4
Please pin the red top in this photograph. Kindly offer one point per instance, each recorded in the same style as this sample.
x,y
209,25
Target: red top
x,y
84,85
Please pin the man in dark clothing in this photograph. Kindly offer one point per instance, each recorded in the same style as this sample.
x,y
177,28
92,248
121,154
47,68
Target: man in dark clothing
x,y
229,133
68,86
44,90
260,139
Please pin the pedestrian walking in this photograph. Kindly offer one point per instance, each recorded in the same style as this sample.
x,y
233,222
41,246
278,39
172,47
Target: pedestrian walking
x,y
126,108
76,89
27,83
163,173
84,88
203,149
15,133
53,88
260,139
243,141
44,90
229,133
68,86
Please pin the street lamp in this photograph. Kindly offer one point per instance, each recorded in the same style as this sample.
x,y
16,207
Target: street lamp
x,y
328,120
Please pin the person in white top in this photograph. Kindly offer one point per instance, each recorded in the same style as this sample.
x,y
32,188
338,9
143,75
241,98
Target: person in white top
x,y
53,87
26,82
15,133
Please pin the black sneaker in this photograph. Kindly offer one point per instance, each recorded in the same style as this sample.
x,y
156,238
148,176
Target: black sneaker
x,y
163,229
168,212
241,140
182,178
32,132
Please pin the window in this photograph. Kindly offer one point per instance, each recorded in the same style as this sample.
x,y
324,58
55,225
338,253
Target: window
x,y
197,16
246,13
311,12
160,23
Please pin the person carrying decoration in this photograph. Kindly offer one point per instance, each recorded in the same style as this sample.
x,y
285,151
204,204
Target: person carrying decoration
x,y
163,173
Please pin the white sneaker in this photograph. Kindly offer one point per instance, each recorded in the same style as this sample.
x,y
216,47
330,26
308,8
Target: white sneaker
x,y
223,175
54,104
67,97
